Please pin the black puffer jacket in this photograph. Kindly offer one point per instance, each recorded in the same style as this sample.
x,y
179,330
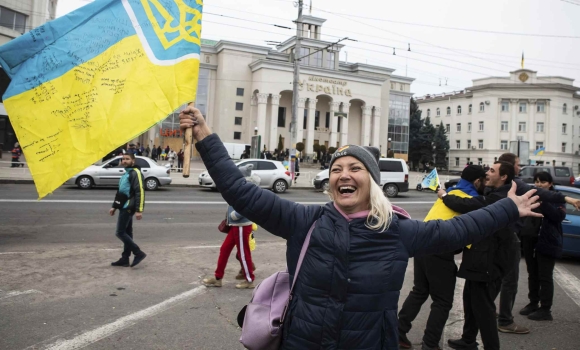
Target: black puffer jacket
x,y
347,293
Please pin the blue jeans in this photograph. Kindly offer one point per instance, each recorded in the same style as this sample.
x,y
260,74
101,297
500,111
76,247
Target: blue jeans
x,y
125,233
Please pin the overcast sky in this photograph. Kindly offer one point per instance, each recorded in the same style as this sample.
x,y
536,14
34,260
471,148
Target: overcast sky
x,y
462,54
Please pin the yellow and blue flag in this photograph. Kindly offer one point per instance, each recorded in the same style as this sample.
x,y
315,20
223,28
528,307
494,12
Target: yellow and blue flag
x,y
90,81
540,151
431,181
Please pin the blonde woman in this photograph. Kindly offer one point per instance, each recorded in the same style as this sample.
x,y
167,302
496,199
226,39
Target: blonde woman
x,y
347,292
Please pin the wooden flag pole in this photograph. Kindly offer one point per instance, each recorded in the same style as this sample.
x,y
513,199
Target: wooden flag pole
x,y
187,153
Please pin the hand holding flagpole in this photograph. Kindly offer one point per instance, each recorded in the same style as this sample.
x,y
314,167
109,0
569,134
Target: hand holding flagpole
x,y
192,121
187,153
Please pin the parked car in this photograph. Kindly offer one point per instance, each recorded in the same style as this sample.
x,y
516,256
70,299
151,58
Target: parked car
x,y
562,175
452,183
571,224
394,177
273,175
109,173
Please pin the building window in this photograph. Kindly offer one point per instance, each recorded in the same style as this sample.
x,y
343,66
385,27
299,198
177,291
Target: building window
x,y
458,110
468,127
523,107
239,92
428,113
238,121
402,87
539,127
458,144
480,126
304,52
563,147
317,119
468,144
541,107
281,117
565,108
327,123
447,128
448,110
12,20
317,59
504,126
468,160
456,161
239,106
438,112
305,125
237,135
458,127
482,107
522,127
505,106
469,109
563,163
564,128
503,145
330,61
539,145
479,161
480,144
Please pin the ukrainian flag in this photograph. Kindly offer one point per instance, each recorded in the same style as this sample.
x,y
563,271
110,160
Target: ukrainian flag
x,y
88,82
540,151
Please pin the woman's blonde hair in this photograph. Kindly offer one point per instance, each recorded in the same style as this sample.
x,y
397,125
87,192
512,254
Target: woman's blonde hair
x,y
381,210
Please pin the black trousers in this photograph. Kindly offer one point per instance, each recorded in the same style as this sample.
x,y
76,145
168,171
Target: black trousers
x,y
479,308
509,287
540,274
434,276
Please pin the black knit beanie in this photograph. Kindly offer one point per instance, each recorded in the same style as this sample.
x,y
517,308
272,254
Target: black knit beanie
x,y
369,156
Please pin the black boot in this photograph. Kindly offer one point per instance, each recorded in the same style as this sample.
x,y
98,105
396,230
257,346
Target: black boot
x,y
541,315
124,262
461,344
138,258
530,308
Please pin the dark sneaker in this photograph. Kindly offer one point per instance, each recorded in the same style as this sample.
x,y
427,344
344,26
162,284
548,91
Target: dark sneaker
x,y
541,315
462,344
124,262
138,259
404,342
528,309
513,328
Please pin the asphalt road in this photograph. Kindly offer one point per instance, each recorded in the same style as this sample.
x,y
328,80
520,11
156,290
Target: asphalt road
x,y
58,290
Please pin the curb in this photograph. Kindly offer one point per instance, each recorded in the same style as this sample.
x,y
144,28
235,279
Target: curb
x,y
31,182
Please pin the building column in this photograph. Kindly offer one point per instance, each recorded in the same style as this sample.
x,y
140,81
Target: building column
x,y
344,125
261,118
376,128
334,106
366,126
300,120
532,124
310,130
514,121
274,104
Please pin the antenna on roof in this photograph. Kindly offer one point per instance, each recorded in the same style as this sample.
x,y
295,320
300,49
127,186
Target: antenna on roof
x,y
310,11
394,53
409,47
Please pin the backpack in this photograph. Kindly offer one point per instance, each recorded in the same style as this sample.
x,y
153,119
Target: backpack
x,y
263,318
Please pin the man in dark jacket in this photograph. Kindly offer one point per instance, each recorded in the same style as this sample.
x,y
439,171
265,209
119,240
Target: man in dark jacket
x,y
484,263
132,193
435,275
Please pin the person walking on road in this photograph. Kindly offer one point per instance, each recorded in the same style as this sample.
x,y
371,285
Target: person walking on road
x,y
180,158
347,293
239,235
434,275
16,153
129,200
154,153
542,241
171,156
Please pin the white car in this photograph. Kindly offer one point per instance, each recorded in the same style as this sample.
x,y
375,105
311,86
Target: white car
x,y
394,177
109,173
273,175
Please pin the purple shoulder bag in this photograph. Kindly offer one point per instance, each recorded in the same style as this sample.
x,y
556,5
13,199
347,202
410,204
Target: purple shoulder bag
x,y
263,317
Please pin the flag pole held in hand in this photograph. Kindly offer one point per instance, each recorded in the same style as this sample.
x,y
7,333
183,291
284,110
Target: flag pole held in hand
x,y
187,153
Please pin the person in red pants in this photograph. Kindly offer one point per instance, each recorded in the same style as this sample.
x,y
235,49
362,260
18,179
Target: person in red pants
x,y
238,236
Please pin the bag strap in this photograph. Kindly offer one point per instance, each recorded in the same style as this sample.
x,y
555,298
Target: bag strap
x,y
300,259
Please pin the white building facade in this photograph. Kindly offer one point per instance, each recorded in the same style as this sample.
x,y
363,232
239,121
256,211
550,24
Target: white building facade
x,y
245,89
483,120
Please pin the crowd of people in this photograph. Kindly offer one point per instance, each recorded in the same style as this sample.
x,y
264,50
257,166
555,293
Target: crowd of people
x,y
343,296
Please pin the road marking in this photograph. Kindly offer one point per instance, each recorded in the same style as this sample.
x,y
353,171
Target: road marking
x,y
20,292
569,283
80,201
105,331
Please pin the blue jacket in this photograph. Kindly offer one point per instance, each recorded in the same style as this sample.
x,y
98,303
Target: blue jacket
x,y
131,185
347,293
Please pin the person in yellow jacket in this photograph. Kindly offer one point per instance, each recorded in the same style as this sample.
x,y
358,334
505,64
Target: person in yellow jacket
x,y
435,275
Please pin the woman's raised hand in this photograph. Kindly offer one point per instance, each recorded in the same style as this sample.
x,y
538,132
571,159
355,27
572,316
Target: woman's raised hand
x,y
526,203
191,117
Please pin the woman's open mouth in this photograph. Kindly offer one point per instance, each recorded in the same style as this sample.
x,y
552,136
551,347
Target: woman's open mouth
x,y
346,189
